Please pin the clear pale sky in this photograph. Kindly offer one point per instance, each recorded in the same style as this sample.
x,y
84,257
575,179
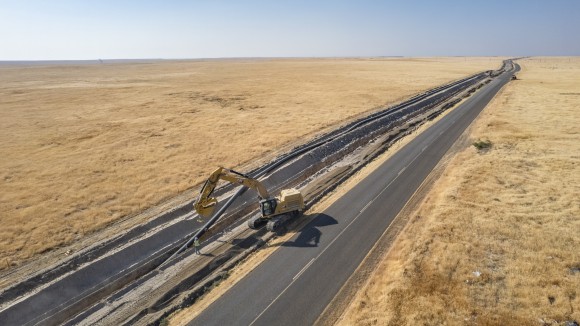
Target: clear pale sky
x,y
107,29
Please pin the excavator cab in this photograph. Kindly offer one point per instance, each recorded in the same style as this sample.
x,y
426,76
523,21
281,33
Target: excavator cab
x,y
268,206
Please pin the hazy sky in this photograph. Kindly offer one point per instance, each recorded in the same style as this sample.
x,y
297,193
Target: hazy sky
x,y
107,29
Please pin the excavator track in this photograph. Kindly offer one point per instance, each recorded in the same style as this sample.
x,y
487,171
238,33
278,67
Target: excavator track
x,y
277,222
256,222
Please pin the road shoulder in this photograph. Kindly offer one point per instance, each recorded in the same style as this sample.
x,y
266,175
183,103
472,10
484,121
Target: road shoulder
x,y
493,241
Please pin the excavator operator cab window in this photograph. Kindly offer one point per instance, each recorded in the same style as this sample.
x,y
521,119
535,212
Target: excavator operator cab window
x,y
268,206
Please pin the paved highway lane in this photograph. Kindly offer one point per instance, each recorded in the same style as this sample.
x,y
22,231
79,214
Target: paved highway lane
x,y
296,283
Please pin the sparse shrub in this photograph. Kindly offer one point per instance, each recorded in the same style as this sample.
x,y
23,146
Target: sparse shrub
x,y
164,322
482,145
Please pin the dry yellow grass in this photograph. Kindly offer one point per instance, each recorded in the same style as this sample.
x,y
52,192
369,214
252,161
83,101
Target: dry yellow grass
x,y
84,145
495,242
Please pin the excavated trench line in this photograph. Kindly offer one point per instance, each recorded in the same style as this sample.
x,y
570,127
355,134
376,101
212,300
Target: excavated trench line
x,y
105,247
303,161
321,152
163,307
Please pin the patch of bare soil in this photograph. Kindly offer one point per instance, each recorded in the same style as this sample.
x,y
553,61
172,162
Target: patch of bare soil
x,y
495,241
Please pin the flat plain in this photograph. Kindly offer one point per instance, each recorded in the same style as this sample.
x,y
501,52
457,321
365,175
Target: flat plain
x,y
85,145
495,241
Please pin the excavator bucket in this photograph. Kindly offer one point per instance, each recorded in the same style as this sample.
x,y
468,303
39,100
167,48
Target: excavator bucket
x,y
206,207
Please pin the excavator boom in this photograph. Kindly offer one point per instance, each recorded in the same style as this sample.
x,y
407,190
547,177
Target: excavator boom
x,y
205,204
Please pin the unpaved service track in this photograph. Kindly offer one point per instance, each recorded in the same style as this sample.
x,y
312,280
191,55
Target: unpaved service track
x,y
296,283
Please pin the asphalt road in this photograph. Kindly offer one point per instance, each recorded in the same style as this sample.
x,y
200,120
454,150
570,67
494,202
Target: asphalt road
x,y
295,284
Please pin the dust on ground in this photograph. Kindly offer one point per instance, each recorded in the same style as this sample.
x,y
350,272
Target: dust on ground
x,y
495,242
82,146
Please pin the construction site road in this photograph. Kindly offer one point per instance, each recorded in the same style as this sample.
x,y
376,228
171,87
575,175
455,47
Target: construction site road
x,y
53,296
295,284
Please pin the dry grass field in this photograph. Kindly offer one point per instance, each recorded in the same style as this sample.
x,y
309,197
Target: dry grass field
x,y
84,145
496,240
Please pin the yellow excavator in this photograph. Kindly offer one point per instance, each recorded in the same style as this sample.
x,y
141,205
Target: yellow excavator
x,y
274,210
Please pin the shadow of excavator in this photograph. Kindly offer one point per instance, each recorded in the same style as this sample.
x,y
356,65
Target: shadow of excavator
x,y
310,235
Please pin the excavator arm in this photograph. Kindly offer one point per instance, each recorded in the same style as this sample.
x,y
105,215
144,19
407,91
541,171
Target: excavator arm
x,y
205,204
